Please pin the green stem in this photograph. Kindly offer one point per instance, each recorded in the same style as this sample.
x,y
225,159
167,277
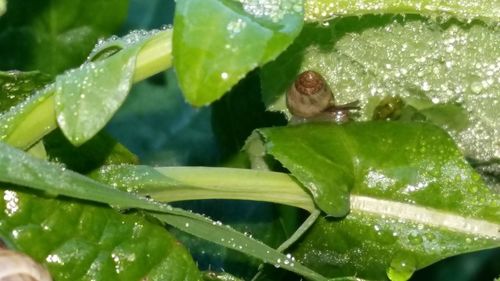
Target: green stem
x,y
27,123
322,10
155,56
171,184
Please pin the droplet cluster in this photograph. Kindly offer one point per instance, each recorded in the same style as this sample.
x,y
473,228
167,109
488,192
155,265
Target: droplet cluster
x,y
130,39
321,10
275,10
426,64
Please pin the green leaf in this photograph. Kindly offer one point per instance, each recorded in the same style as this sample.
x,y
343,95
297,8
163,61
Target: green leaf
x,y
54,35
18,168
26,123
216,42
235,240
322,164
375,245
78,241
416,199
321,10
407,161
16,86
86,98
423,62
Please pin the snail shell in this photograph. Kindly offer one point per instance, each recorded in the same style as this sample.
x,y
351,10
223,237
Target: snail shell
x,y
309,95
389,108
15,266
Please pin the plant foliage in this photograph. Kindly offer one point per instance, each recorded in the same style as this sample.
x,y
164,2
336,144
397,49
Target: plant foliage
x,y
410,180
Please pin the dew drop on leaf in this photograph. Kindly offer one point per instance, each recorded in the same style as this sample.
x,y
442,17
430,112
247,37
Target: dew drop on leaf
x,y
402,268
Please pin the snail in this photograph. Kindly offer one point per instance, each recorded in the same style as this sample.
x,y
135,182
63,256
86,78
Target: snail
x,y
310,98
393,108
389,108
15,266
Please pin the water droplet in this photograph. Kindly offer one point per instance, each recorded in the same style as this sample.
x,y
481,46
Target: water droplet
x,y
476,87
415,238
401,268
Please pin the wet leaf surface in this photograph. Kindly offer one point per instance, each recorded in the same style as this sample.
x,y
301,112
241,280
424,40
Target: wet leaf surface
x,y
216,42
81,241
414,201
87,97
321,10
429,65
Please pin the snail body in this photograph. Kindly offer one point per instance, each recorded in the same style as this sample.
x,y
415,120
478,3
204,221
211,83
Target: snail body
x,y
310,98
15,266
309,95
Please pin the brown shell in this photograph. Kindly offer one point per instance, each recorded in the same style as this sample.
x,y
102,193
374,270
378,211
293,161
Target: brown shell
x,y
16,266
309,95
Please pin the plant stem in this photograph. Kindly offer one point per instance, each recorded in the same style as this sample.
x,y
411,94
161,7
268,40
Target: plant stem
x,y
155,56
171,184
27,123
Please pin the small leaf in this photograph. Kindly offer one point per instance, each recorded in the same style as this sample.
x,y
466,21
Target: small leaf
x,y
86,98
216,42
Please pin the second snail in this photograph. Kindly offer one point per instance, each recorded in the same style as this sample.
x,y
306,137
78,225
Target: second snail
x,y
310,98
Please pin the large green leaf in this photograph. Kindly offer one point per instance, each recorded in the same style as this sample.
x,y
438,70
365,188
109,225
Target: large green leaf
x,y
417,200
78,241
427,64
321,10
54,35
216,42
18,168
